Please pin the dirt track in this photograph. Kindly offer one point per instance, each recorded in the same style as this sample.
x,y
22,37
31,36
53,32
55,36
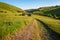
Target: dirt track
x,y
28,33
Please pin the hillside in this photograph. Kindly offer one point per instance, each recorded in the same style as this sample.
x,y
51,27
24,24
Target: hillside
x,y
7,8
14,25
52,11
9,22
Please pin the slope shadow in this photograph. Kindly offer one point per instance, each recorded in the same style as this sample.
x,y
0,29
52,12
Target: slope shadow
x,y
54,35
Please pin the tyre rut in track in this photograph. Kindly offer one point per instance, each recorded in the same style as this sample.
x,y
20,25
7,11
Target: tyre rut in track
x,y
26,34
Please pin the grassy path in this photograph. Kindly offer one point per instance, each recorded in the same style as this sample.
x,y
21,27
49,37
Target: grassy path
x,y
27,33
35,30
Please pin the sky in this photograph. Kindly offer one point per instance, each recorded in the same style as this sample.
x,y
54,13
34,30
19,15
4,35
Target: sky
x,y
29,4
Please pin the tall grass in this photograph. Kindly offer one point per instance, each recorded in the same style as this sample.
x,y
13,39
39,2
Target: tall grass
x,y
54,24
10,24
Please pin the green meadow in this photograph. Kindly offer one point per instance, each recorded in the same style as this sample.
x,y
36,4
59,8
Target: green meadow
x,y
13,18
9,24
54,24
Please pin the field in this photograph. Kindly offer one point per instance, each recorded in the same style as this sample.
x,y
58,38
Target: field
x,y
31,24
54,24
9,24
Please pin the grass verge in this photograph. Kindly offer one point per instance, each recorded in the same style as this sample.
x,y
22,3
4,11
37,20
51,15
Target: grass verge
x,y
10,24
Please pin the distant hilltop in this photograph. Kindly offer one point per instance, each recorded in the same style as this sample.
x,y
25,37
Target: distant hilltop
x,y
51,11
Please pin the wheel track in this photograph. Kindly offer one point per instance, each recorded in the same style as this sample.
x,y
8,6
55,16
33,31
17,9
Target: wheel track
x,y
26,34
29,32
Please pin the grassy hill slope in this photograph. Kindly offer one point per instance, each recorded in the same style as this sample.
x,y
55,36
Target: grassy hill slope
x,y
54,24
52,11
9,22
7,8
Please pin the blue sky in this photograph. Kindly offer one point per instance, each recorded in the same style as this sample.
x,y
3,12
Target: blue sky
x,y
28,4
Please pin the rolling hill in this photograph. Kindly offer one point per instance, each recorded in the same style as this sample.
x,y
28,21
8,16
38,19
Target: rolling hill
x,y
9,22
7,8
52,11
35,27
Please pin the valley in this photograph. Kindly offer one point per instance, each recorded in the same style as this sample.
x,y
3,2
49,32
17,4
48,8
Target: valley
x,y
32,24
